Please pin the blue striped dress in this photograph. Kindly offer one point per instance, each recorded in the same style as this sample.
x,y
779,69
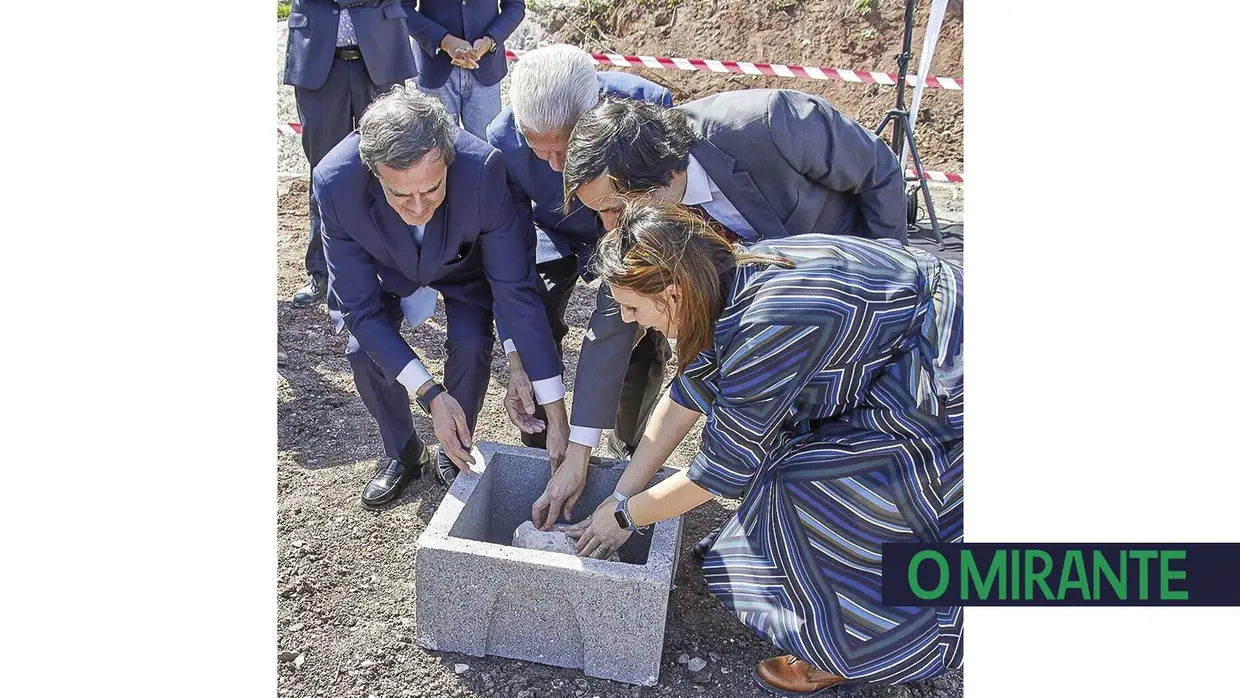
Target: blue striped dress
x,y
834,403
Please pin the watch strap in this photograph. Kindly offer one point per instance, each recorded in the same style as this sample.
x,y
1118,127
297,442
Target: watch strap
x,y
424,400
622,508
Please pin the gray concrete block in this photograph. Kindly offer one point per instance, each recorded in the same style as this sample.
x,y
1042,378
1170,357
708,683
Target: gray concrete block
x,y
478,595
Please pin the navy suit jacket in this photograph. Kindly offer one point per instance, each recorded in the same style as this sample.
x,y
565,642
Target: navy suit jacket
x,y
538,191
473,239
465,19
382,37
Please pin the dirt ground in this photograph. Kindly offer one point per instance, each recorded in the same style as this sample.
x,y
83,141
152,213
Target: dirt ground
x,y
822,33
345,619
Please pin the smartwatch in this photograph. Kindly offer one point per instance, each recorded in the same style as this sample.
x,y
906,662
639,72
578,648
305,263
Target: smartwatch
x,y
424,400
623,518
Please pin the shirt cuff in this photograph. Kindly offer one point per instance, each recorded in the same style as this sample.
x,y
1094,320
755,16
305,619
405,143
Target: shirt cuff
x,y
510,347
549,390
413,375
586,436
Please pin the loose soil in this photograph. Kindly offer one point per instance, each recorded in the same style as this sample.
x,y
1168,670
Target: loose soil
x,y
345,574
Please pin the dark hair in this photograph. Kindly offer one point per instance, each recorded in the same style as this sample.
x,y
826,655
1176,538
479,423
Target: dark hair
x,y
401,126
639,144
655,245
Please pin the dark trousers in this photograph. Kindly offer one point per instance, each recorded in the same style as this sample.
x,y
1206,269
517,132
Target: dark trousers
x,y
327,115
643,378
643,381
466,372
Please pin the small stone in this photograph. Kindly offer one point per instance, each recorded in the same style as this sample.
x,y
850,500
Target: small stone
x,y
703,677
298,543
527,693
301,659
366,664
697,664
682,659
582,684
460,668
298,626
288,656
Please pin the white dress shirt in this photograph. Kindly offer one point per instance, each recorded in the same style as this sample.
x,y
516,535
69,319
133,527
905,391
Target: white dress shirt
x,y
700,190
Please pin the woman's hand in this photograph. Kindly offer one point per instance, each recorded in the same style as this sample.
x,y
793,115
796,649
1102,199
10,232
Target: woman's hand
x,y
599,536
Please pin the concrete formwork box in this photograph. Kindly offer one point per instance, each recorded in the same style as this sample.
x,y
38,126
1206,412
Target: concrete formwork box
x,y
478,595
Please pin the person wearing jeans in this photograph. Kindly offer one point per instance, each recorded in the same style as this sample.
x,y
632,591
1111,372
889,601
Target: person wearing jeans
x,y
461,57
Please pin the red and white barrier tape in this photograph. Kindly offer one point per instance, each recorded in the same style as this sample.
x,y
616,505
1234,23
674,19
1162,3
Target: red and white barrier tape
x,y
935,176
768,69
746,68
293,129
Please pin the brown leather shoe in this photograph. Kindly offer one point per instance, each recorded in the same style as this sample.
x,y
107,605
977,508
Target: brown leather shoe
x,y
790,677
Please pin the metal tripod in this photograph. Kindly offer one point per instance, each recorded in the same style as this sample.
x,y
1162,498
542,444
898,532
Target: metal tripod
x,y
901,129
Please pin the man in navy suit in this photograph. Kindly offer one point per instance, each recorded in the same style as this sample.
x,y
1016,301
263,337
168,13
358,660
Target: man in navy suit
x,y
410,202
341,53
551,88
461,55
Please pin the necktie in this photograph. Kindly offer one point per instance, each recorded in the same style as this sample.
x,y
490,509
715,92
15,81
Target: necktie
x,y
714,224
346,35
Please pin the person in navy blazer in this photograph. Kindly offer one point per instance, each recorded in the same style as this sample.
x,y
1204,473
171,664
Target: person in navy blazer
x,y
461,57
341,53
409,202
551,88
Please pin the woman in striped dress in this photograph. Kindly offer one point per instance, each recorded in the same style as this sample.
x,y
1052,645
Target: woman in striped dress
x,y
830,371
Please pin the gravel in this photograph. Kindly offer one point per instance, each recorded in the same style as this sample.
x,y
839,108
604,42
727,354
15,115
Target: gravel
x,y
345,595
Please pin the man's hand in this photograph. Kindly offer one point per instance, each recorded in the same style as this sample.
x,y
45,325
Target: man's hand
x,y
482,46
452,430
460,51
520,401
568,479
563,490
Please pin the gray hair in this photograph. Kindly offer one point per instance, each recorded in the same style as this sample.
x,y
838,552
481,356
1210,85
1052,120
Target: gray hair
x,y
401,126
552,87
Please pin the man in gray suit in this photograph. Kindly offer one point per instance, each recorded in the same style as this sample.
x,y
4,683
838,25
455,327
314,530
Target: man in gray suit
x,y
757,164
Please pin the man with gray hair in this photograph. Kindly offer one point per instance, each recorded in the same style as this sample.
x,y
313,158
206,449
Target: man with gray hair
x,y
551,88
411,205
755,164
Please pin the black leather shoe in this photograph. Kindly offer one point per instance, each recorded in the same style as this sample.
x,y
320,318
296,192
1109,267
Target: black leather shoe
x,y
390,480
312,293
445,470
703,546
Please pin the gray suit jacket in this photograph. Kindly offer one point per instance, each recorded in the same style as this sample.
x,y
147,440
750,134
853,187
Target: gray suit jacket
x,y
790,164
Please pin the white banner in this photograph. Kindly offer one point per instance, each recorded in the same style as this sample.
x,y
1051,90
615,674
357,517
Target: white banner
x,y
937,9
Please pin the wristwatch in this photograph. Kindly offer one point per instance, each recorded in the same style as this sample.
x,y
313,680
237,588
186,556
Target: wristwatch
x,y
623,518
424,400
